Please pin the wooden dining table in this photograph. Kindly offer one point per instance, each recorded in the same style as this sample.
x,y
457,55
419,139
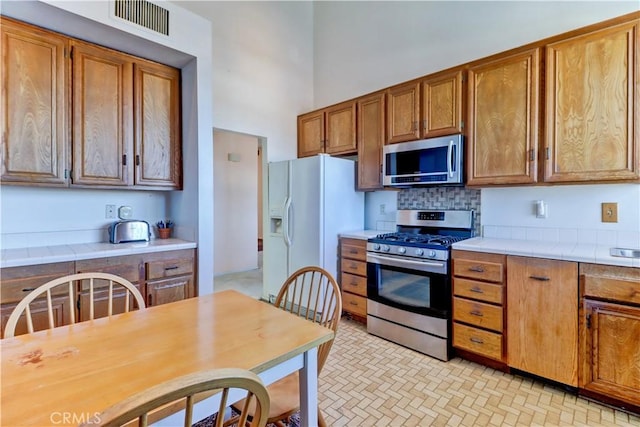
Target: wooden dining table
x,y
66,375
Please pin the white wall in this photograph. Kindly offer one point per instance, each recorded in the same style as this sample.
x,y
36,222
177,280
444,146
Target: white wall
x,y
360,47
235,204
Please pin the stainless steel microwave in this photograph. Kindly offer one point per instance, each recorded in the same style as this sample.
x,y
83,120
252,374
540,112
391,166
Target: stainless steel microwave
x,y
434,161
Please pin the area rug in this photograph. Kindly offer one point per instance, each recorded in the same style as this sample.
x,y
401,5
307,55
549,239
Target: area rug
x,y
294,421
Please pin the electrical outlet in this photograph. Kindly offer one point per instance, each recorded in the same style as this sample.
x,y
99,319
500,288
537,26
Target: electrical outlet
x,y
110,211
609,212
383,209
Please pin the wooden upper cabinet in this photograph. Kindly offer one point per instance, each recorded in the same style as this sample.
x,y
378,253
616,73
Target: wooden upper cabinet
x,y
34,101
371,137
102,116
403,112
340,128
442,104
593,106
503,122
158,158
311,134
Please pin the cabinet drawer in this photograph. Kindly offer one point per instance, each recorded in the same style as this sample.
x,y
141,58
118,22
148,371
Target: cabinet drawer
x,y
481,270
488,344
478,290
478,314
169,267
354,304
611,282
18,282
354,248
353,266
354,284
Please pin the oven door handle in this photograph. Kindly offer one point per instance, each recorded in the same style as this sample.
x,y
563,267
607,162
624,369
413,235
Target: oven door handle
x,y
405,263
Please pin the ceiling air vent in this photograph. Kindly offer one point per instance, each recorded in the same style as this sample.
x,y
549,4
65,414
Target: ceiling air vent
x,y
144,13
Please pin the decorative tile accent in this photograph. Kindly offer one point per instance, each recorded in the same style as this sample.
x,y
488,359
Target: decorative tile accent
x,y
442,198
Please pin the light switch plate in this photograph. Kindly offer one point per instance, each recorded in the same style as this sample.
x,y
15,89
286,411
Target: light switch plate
x,y
609,212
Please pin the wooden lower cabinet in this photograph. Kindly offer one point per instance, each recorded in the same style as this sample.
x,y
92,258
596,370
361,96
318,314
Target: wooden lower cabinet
x,y
161,277
542,318
353,277
610,333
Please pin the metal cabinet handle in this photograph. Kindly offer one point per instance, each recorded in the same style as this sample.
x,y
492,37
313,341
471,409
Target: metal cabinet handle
x,y
353,251
28,289
353,303
476,313
477,290
476,269
540,278
175,267
476,340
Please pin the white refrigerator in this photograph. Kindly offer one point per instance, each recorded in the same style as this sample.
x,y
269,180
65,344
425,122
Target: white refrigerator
x,y
311,200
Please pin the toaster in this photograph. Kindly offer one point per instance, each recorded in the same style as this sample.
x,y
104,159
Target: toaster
x,y
129,231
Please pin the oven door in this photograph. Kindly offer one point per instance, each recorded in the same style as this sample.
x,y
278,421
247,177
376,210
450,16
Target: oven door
x,y
421,286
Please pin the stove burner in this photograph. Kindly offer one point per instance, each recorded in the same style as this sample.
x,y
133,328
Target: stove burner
x,y
426,239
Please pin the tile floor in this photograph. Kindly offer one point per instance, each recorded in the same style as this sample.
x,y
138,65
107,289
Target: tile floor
x,y
368,381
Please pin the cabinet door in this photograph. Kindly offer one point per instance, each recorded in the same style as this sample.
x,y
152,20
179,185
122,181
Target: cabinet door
x,y
611,356
442,105
311,134
101,303
169,290
34,99
403,113
39,315
371,113
158,161
341,129
503,120
542,317
102,116
593,104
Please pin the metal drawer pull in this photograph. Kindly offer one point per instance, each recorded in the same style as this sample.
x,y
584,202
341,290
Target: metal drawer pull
x,y
476,313
175,267
476,340
541,278
477,290
353,251
353,303
28,289
353,266
476,269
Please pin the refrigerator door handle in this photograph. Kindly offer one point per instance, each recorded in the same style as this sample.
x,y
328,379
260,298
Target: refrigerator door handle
x,y
285,220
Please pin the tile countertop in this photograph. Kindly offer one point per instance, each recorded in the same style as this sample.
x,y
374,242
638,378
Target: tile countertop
x,y
61,253
596,254
361,234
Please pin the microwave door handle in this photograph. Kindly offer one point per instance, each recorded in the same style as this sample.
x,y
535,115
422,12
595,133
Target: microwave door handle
x,y
450,159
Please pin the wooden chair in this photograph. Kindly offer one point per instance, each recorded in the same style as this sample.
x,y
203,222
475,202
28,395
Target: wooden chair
x,y
69,282
312,293
141,404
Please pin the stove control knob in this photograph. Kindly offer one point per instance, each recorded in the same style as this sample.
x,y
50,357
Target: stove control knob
x,y
401,250
376,246
432,254
419,252
385,248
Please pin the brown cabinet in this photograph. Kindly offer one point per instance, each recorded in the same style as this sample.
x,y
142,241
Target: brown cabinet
x,y
162,276
353,277
503,104
593,104
424,109
124,112
170,276
542,318
479,304
102,88
18,282
331,130
34,101
371,136
610,332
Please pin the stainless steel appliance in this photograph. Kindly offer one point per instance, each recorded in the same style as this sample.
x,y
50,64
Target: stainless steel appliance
x,y
129,231
408,279
434,161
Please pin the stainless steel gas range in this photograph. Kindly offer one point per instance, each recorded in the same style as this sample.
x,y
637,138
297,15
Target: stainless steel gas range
x,y
409,281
